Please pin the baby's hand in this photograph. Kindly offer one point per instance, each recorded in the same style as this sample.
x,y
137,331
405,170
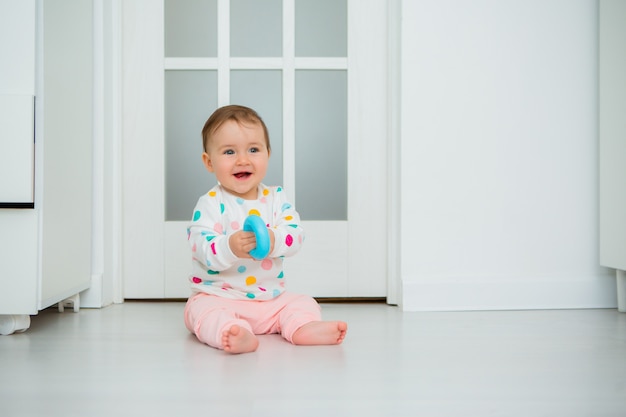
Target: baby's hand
x,y
241,243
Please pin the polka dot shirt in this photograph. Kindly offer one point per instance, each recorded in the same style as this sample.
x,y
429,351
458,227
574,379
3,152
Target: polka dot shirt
x,y
216,270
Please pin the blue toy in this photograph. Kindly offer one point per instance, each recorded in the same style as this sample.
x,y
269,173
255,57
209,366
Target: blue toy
x,y
256,225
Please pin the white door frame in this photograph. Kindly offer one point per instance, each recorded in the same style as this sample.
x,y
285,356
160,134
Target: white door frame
x,y
106,279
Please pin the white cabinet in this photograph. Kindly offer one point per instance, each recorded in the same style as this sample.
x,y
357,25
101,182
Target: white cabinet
x,y
612,105
46,59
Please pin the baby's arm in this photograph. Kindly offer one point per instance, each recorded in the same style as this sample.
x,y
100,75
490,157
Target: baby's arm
x,y
287,234
209,244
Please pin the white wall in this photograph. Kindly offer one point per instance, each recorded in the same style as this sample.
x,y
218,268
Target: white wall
x,y
499,194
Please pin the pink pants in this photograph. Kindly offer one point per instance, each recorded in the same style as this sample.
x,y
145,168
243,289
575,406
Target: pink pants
x,y
207,316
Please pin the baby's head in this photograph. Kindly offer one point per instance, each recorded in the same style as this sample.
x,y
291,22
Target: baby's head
x,y
240,114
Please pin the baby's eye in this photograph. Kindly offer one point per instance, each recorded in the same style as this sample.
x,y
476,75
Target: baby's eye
x,y
229,152
254,150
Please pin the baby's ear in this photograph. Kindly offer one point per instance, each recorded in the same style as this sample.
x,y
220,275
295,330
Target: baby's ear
x,y
206,160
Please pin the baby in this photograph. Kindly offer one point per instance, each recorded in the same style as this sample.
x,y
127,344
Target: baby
x,y
236,297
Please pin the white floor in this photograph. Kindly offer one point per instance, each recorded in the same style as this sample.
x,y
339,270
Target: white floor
x,y
138,359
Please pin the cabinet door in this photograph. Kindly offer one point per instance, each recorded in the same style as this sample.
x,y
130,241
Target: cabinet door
x,y
16,151
612,103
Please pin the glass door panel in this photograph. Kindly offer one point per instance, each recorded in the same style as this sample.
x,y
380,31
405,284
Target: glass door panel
x,y
321,144
321,28
190,28
256,28
190,97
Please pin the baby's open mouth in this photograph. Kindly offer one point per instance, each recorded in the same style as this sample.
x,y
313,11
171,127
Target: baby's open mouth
x,y
242,175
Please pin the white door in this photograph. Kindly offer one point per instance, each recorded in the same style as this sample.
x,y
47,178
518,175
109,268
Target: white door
x,y
315,70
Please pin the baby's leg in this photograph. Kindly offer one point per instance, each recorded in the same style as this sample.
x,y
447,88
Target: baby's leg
x,y
301,323
213,320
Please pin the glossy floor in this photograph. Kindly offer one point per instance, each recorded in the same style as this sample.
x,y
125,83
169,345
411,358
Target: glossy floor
x,y
138,359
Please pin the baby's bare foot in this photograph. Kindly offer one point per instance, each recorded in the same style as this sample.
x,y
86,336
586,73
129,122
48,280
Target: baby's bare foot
x,y
239,340
321,333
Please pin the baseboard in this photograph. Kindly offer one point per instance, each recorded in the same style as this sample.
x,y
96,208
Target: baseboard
x,y
536,294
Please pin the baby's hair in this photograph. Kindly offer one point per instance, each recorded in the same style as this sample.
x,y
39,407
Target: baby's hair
x,y
239,114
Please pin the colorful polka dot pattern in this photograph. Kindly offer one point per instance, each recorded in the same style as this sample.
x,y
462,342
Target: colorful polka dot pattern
x,y
219,214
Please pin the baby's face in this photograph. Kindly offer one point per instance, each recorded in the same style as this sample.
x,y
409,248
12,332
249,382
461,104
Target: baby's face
x,y
238,156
